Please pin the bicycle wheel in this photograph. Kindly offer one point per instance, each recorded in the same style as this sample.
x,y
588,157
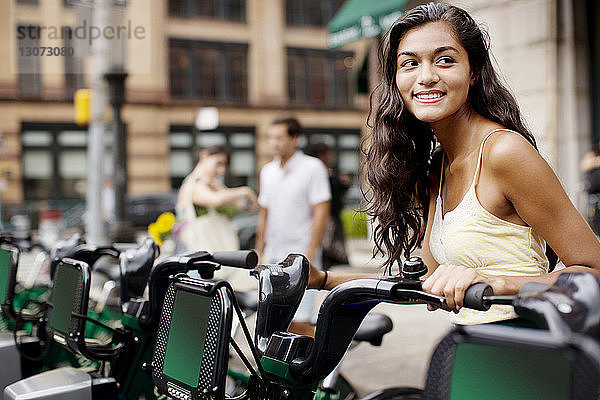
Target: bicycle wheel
x,y
397,393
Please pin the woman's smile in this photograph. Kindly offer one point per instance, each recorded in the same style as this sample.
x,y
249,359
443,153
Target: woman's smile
x,y
429,96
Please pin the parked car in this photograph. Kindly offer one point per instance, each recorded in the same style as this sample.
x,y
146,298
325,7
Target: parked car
x,y
144,209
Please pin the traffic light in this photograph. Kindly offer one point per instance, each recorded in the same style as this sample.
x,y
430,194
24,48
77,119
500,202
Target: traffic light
x,y
82,99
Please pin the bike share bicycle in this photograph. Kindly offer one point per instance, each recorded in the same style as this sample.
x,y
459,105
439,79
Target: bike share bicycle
x,y
123,372
190,358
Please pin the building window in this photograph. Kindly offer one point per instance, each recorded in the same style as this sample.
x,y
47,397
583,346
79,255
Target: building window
x,y
30,84
319,77
311,12
185,143
54,160
229,10
208,71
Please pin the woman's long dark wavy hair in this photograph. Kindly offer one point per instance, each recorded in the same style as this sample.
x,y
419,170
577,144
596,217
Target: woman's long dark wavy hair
x,y
398,151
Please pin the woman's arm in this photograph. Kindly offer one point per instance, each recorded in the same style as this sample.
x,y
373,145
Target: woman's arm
x,y
204,195
316,278
536,194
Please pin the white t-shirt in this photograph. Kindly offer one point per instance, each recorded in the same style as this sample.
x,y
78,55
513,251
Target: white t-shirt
x,y
289,194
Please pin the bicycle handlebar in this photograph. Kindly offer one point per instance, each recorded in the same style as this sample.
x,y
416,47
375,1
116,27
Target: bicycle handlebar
x,y
247,259
570,305
202,261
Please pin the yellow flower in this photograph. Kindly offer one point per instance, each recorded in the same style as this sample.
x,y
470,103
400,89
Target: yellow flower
x,y
154,232
165,222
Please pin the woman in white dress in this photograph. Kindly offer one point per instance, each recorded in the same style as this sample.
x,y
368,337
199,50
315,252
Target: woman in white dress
x,y
200,194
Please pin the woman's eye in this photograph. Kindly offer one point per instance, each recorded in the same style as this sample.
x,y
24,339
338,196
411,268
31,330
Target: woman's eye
x,y
445,60
408,64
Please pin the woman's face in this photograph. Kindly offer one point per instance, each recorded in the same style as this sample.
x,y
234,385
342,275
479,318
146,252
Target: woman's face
x,y
216,164
433,73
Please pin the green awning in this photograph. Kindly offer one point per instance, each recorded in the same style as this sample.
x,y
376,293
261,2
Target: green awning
x,y
362,18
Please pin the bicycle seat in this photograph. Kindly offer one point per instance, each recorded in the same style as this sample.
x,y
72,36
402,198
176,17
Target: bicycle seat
x,y
373,327
248,300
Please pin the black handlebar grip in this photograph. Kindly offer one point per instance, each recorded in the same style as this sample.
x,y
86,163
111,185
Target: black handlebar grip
x,y
474,296
247,259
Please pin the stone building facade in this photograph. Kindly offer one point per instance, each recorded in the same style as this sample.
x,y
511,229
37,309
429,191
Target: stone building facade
x,y
253,60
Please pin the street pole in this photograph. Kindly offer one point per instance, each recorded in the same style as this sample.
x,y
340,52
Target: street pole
x,y
121,230
100,54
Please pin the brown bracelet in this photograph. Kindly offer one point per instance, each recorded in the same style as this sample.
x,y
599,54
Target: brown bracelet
x,y
324,282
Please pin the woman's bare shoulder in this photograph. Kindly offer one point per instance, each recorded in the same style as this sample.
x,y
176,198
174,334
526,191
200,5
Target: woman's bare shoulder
x,y
507,150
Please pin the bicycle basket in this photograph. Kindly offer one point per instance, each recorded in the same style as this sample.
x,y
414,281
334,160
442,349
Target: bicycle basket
x,y
506,362
69,298
192,345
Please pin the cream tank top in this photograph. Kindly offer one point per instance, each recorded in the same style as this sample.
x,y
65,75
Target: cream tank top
x,y
471,236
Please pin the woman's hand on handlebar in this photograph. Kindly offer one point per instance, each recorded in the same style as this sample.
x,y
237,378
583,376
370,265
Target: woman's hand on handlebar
x,y
451,281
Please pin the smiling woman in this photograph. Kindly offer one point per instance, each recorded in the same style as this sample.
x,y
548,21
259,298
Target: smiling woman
x,y
477,216
444,165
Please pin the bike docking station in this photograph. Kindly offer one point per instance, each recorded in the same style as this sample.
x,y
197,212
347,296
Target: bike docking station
x,y
197,371
66,325
550,352
23,335
9,258
175,334
123,361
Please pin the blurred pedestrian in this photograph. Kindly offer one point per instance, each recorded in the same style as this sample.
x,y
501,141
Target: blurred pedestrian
x,y
200,194
294,204
334,243
590,166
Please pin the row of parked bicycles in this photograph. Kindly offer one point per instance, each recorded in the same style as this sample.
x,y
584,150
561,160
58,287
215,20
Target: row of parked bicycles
x,y
117,322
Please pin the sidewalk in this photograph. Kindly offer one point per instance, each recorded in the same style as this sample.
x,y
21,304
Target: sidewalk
x,y
360,255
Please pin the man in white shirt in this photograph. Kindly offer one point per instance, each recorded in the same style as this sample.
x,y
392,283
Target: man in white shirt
x,y
294,207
